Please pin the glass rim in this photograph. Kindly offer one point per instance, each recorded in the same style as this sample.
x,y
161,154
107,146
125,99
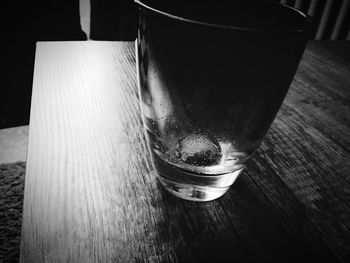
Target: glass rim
x,y
232,27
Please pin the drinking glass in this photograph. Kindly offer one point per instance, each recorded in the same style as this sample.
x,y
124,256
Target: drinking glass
x,y
212,78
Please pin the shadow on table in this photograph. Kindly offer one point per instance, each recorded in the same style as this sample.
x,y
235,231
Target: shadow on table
x,y
242,226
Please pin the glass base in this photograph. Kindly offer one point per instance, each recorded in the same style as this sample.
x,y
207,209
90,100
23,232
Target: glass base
x,y
193,192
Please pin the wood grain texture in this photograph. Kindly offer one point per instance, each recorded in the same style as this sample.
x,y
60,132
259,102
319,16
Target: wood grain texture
x,y
308,149
91,194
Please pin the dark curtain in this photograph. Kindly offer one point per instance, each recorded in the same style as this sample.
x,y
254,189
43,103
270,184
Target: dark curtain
x,y
26,23
113,20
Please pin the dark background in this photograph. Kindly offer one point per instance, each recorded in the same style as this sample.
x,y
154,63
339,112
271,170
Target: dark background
x,y
27,22
50,20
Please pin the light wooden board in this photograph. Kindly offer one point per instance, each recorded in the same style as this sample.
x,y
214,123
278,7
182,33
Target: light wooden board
x,y
81,154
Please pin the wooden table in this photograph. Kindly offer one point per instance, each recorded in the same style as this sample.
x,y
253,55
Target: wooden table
x,y
91,194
